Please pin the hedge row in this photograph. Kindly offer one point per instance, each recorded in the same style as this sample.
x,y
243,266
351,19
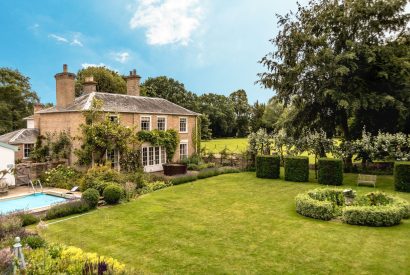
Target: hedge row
x,y
402,176
384,215
297,169
268,166
308,207
330,171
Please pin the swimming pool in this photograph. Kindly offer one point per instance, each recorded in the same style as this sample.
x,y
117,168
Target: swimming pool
x,y
29,202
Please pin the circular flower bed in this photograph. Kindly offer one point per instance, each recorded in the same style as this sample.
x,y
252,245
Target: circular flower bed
x,y
372,209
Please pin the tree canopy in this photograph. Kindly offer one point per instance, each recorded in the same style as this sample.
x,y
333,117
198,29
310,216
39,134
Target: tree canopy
x,y
108,81
343,65
16,99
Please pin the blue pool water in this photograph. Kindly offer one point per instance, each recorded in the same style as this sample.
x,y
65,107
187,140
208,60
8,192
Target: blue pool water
x,y
28,202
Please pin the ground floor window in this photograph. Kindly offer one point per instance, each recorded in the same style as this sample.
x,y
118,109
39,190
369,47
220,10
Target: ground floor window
x,y
27,150
153,155
183,150
114,157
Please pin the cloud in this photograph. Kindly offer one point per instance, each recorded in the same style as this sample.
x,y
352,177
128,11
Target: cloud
x,y
58,38
86,65
74,41
121,57
167,21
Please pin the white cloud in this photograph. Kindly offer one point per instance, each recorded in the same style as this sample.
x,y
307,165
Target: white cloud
x,y
86,65
167,21
76,42
58,38
121,57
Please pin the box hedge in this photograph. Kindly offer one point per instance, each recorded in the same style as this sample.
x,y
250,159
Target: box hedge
x,y
402,176
297,169
308,207
383,215
268,166
330,171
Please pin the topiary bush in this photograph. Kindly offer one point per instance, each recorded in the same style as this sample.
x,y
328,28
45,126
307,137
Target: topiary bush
x,y
268,166
385,215
330,171
297,169
402,176
112,194
91,196
308,207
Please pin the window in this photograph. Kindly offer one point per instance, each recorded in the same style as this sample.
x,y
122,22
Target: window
x,y
183,150
145,123
144,156
114,118
162,123
157,155
27,150
150,155
163,155
183,125
113,157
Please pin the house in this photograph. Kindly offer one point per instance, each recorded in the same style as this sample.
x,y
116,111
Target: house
x,y
145,113
7,161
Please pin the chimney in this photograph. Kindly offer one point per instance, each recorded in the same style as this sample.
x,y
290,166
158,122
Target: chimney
x,y
89,85
65,88
133,83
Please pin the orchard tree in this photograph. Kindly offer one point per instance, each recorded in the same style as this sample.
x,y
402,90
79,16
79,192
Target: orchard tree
x,y
335,60
108,81
16,99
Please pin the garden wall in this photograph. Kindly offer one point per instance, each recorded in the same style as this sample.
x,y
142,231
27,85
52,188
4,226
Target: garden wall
x,y
30,171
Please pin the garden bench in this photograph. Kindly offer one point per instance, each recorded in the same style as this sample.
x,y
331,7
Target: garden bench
x,y
366,180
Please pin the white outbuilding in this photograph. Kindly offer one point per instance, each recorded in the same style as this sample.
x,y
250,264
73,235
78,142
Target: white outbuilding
x,y
7,161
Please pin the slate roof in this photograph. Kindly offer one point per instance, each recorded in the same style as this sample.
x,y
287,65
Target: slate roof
x,y
118,103
20,136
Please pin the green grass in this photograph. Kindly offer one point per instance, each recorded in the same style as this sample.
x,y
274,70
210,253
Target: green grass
x,y
236,224
234,145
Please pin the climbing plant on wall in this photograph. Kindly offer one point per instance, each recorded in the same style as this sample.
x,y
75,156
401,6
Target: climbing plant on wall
x,y
168,139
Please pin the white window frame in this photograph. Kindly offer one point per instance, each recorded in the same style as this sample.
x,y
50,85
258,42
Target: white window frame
x,y
186,124
30,150
184,142
114,118
150,123
114,158
166,122
153,154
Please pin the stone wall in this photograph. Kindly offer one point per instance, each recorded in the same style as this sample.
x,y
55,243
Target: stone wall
x,y
30,171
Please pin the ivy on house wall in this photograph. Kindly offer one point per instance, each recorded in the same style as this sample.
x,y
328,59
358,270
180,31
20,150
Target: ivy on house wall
x,y
52,146
168,139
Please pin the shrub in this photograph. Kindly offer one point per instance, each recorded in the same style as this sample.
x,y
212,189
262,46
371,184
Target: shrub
x,y
228,170
306,206
297,169
208,173
91,196
9,225
386,215
402,176
183,179
97,177
268,166
6,261
62,176
66,209
112,194
28,219
152,186
330,171
34,241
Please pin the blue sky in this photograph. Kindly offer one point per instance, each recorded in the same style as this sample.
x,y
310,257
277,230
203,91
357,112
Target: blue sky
x,y
209,45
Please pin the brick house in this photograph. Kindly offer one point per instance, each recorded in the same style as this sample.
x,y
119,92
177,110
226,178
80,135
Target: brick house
x,y
145,113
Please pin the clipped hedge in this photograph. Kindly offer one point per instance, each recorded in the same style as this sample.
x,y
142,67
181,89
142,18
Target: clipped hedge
x,y
91,196
402,176
330,171
267,166
308,207
112,194
383,215
297,169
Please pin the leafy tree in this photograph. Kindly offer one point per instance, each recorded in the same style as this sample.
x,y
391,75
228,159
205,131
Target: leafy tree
x,y
220,112
273,115
16,99
336,61
171,90
108,81
241,108
256,120
206,131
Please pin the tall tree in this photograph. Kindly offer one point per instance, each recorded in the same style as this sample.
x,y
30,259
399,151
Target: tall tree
x,y
16,99
256,120
338,60
108,81
241,108
171,90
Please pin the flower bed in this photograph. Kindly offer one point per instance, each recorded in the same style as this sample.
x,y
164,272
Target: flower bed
x,y
372,209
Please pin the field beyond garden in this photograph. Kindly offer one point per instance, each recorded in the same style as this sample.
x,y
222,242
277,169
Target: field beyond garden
x,y
236,223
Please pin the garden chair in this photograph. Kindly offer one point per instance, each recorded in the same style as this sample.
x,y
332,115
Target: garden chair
x,y
366,180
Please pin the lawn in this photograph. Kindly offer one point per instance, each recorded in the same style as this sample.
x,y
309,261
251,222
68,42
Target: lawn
x,y
236,223
234,145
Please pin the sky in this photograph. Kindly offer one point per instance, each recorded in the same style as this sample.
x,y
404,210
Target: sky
x,y
209,45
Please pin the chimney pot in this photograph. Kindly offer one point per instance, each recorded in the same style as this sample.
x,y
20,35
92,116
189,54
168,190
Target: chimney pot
x,y
133,83
65,69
